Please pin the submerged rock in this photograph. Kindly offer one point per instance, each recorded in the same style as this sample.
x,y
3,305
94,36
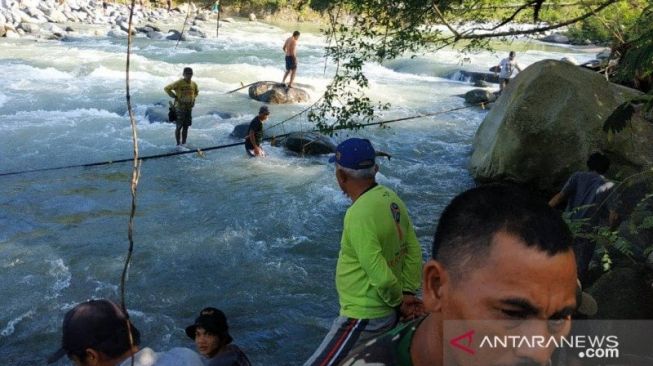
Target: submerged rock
x,y
277,93
474,76
240,131
175,35
546,123
307,143
555,38
478,96
157,113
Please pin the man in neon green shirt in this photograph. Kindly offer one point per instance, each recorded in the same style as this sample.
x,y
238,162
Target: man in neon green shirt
x,y
380,261
184,91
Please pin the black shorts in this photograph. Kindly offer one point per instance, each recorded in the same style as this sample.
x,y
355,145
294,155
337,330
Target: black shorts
x,y
184,117
291,63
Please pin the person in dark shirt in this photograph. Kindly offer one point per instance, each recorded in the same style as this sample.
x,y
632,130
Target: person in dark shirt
x,y
585,193
255,133
501,264
210,332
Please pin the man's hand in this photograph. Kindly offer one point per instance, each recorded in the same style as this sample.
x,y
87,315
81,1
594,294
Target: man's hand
x,y
258,151
411,307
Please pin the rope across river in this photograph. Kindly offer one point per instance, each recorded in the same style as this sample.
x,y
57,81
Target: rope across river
x,y
225,146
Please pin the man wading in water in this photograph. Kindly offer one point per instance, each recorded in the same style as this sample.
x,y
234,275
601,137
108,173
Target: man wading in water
x,y
185,93
254,136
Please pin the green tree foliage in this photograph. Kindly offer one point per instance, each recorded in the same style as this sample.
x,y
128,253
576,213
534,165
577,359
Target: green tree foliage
x,y
609,27
364,31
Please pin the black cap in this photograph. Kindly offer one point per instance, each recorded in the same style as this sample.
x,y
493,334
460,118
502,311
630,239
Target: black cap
x,y
97,324
264,110
213,321
188,70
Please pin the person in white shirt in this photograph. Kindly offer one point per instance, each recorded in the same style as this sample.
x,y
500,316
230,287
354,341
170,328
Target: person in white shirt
x,y
507,67
98,333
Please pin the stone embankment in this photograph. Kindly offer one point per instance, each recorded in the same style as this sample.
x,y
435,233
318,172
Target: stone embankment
x,y
52,19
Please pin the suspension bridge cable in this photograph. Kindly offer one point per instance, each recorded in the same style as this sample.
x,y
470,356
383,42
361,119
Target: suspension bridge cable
x,y
220,147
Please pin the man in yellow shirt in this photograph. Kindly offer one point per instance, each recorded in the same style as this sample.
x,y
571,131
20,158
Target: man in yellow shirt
x,y
184,91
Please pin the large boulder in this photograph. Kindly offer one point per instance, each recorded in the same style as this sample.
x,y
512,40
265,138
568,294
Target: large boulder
x,y
624,293
632,202
277,93
546,123
306,143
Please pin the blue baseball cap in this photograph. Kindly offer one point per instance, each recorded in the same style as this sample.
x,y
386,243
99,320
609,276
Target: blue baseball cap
x,y
354,154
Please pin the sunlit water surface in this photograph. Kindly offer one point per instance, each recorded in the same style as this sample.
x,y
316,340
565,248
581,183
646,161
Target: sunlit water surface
x,y
257,238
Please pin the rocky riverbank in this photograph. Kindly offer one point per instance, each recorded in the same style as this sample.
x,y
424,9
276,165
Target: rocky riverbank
x,y
55,20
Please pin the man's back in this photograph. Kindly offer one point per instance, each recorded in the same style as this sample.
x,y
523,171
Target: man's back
x,y
290,46
379,256
585,191
507,67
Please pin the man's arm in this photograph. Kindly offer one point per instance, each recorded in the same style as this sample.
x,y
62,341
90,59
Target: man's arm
x,y
252,139
169,90
411,274
411,277
556,200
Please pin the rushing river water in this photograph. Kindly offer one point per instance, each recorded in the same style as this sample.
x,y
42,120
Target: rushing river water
x,y
257,238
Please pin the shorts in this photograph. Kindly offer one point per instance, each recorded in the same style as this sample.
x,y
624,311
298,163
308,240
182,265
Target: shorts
x,y
184,117
505,80
291,63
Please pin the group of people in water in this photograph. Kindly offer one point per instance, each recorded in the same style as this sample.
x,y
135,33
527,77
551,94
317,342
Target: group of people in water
x,y
185,91
498,253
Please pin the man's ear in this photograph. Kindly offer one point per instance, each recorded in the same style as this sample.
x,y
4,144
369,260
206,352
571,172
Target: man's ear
x,y
92,357
341,176
434,282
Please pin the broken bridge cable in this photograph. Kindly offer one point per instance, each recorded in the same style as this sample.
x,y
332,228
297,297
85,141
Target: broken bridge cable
x,y
220,147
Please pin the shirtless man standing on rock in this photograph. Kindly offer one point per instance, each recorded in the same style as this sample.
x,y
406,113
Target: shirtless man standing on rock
x,y
290,48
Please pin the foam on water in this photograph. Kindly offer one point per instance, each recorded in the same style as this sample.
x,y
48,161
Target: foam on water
x,y
10,328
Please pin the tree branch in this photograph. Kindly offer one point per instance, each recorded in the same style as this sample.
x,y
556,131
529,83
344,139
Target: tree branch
x,y
537,30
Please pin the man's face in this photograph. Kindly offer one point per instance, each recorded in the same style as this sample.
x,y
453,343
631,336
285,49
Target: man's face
x,y
207,343
188,76
263,117
527,291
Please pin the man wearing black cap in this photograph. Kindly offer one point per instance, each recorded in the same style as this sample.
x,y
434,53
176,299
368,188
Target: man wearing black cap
x,y
184,91
380,260
211,335
254,136
97,333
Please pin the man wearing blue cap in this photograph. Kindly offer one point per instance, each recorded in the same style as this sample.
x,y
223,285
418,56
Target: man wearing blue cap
x,y
380,260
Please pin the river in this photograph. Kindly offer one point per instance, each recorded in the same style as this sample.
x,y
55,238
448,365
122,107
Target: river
x,y
257,238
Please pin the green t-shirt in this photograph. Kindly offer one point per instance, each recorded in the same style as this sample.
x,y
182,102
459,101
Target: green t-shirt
x,y
379,257
185,92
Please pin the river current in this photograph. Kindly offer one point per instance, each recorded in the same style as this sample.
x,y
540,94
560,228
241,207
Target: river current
x,y
257,238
